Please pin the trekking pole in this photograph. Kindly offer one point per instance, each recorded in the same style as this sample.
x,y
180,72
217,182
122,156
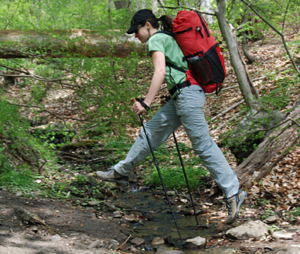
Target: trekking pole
x,y
158,170
187,183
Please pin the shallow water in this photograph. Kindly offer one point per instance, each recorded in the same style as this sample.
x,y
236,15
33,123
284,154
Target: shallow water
x,y
156,219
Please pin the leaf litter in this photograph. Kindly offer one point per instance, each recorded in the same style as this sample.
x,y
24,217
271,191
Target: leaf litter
x,y
279,190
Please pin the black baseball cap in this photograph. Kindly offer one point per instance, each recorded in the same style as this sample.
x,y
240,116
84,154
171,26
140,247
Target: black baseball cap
x,y
139,17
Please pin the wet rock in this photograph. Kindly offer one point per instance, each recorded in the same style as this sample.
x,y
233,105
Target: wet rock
x,y
93,203
117,214
282,235
288,250
157,241
223,250
271,219
170,241
131,218
137,241
166,250
133,249
251,229
114,244
195,243
55,238
96,244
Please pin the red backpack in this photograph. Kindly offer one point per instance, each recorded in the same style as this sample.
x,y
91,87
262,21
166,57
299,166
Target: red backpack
x,y
200,49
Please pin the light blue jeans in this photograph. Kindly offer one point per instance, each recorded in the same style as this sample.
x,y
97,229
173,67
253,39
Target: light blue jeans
x,y
186,110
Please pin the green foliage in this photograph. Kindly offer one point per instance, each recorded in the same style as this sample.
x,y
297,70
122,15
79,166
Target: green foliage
x,y
48,71
275,12
294,214
15,180
174,178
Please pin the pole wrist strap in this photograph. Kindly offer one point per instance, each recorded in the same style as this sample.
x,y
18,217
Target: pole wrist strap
x,y
143,103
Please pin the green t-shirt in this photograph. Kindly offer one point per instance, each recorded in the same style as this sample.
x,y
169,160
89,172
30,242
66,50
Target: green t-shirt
x,y
173,54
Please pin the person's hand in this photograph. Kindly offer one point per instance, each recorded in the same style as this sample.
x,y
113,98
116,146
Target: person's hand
x,y
137,108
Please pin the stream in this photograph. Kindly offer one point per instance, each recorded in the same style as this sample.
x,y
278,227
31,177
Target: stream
x,y
151,217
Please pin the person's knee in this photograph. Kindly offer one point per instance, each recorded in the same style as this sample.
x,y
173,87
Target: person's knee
x,y
201,145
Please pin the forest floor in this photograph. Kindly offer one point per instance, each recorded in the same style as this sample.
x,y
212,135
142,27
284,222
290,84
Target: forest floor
x,y
64,227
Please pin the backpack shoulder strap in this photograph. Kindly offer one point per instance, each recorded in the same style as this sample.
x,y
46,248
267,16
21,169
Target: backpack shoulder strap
x,y
168,63
175,67
165,32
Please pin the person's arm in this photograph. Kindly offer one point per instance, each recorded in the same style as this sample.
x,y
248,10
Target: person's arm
x,y
159,63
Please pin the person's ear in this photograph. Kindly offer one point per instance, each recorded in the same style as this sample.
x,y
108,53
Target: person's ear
x,y
148,25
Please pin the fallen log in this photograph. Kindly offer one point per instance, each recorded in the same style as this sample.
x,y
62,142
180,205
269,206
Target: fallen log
x,y
66,43
270,151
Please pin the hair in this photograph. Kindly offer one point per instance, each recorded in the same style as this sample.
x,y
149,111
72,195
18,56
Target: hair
x,y
166,22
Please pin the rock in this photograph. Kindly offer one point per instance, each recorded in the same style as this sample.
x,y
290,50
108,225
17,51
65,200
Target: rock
x,y
83,237
271,219
96,244
251,229
171,193
93,203
133,250
288,250
195,243
114,244
224,250
110,186
137,241
28,217
34,229
99,195
117,214
19,193
157,241
167,250
282,235
55,238
170,241
131,218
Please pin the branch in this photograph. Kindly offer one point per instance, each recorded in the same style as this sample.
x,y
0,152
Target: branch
x,y
43,109
226,110
124,242
287,7
223,124
281,35
179,6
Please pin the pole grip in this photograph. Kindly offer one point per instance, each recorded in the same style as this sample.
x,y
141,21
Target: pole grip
x,y
133,100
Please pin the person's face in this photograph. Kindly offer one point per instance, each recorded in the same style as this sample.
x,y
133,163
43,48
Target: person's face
x,y
142,32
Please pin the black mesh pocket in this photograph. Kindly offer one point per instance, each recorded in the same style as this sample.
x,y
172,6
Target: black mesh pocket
x,y
207,69
201,69
216,67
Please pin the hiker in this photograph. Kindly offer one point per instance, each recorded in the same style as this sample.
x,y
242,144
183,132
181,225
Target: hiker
x,y
185,108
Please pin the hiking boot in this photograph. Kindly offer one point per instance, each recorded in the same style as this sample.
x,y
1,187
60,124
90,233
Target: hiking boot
x,y
234,203
111,176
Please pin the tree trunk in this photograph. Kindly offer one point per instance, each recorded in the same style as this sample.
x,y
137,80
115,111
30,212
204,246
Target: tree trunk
x,y
270,151
63,43
247,89
250,58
